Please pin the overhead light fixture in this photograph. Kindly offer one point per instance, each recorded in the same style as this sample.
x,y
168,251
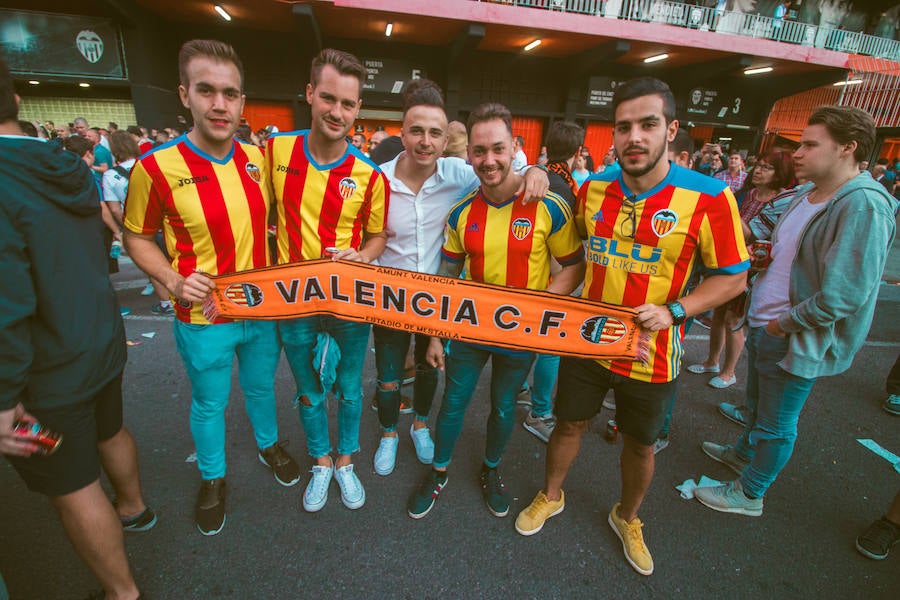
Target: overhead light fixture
x,y
84,84
850,82
733,126
388,30
34,82
724,139
532,45
657,58
757,71
223,13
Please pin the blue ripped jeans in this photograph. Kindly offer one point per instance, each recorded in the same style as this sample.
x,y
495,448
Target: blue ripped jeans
x,y
299,339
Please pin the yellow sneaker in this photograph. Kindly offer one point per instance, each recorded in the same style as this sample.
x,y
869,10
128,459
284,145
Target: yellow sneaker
x,y
530,520
636,552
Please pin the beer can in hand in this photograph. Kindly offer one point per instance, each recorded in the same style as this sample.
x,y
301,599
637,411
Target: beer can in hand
x,y
47,441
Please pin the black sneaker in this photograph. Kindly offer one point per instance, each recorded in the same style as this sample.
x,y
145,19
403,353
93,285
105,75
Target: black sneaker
x,y
877,540
142,522
165,311
285,468
494,492
422,500
210,510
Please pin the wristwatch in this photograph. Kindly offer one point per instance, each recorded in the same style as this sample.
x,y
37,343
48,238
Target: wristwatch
x,y
678,314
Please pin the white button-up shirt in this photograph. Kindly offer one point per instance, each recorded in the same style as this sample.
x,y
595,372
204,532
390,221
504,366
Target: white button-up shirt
x,y
418,220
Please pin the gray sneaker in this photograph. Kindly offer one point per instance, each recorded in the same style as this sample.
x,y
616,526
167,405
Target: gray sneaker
x,y
541,427
734,413
729,498
726,455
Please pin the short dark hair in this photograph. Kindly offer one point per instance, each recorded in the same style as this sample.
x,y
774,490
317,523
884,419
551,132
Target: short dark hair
x,y
343,62
682,143
646,86
135,130
563,140
520,139
211,49
9,110
422,92
28,128
123,146
79,145
847,124
488,112
243,133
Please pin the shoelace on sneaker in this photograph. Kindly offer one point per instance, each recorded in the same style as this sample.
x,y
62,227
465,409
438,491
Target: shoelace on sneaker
x,y
634,532
319,479
537,507
276,455
883,533
348,480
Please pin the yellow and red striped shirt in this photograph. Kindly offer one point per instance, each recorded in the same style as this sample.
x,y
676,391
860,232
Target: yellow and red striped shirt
x,y
510,244
213,213
642,248
321,206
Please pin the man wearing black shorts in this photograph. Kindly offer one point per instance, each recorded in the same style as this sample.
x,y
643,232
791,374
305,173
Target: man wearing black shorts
x,y
62,348
647,227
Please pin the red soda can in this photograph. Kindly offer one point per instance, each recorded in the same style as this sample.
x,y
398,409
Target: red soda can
x,y
331,251
612,431
760,255
47,440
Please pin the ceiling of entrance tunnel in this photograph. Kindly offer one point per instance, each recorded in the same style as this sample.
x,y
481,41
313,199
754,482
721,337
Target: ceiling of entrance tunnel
x,y
337,22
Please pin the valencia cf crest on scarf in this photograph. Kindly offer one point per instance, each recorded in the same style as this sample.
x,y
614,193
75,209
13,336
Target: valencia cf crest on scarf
x,y
253,171
347,186
663,222
244,294
603,330
521,227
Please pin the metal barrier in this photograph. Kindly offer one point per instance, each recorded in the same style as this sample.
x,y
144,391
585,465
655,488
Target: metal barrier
x,y
681,14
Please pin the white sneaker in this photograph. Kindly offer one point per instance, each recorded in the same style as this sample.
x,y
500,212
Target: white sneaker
x,y
424,444
316,494
386,455
352,493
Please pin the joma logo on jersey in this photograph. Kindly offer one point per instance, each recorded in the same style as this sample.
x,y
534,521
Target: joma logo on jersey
x,y
194,180
287,169
621,249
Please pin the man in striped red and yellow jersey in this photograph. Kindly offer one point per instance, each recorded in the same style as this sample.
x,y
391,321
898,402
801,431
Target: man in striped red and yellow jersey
x,y
648,226
330,200
497,240
210,197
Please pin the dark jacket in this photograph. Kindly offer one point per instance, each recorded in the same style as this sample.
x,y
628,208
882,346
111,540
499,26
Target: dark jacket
x,y
61,335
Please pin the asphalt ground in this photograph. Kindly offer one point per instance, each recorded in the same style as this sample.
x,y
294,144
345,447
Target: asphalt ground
x,y
802,546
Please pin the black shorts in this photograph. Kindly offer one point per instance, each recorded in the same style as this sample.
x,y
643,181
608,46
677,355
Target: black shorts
x,y
640,406
76,463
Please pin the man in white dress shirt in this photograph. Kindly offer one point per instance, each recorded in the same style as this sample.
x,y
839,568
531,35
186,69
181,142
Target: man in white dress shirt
x,y
424,186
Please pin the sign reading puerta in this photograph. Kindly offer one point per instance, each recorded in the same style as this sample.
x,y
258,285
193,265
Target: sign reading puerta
x,y
35,43
432,305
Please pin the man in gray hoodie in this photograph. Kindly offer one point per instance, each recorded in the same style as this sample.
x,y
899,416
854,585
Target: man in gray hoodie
x,y
811,310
